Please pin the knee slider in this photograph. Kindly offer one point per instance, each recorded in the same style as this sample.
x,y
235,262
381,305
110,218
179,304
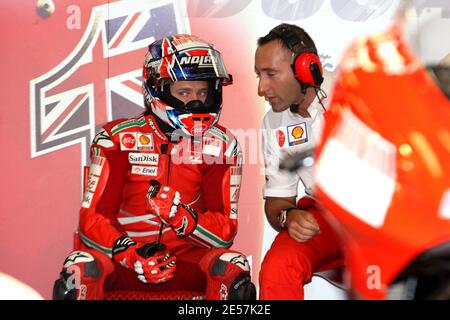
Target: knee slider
x,y
234,267
63,291
242,288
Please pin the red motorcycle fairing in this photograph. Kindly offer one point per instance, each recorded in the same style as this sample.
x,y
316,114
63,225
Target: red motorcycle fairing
x,y
383,169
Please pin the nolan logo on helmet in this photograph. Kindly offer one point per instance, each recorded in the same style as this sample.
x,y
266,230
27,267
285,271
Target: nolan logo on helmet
x,y
201,61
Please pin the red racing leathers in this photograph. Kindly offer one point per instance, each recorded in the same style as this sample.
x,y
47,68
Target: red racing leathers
x,y
289,264
125,156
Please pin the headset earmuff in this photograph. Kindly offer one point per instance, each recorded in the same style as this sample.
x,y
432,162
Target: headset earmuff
x,y
305,63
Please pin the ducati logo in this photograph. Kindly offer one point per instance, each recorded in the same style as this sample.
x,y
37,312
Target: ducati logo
x,y
280,137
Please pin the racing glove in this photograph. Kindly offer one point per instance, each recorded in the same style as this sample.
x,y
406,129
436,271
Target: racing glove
x,y
151,262
168,207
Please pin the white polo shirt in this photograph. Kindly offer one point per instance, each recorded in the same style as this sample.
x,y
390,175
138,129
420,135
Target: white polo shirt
x,y
289,133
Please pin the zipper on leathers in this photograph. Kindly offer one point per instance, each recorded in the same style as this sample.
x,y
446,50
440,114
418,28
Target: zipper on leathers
x,y
164,149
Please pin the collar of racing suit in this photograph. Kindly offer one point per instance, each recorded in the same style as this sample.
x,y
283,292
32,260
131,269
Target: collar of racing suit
x,y
169,131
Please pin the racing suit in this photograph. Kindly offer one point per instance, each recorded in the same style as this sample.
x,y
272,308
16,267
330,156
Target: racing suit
x,y
289,264
125,155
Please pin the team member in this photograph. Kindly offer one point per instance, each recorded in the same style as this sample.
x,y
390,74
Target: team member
x,y
290,75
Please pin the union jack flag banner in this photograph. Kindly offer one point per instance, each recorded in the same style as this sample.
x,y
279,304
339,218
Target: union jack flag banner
x,y
100,79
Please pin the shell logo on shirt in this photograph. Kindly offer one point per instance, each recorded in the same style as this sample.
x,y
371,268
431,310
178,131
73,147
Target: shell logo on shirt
x,y
144,140
297,134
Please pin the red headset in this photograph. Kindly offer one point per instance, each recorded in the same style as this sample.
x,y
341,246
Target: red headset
x,y
305,61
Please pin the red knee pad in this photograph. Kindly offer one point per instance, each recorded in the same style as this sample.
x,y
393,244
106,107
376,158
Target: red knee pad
x,y
82,277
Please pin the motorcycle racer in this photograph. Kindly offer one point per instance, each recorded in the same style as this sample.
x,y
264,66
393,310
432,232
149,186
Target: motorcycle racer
x,y
177,235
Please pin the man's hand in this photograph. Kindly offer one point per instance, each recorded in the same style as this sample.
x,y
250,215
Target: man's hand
x,y
167,205
301,225
151,266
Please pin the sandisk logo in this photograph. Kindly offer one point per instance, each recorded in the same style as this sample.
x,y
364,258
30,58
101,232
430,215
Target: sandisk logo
x,y
200,60
128,141
145,171
143,158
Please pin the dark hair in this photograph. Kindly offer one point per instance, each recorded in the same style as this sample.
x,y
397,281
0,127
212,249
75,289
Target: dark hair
x,y
299,32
